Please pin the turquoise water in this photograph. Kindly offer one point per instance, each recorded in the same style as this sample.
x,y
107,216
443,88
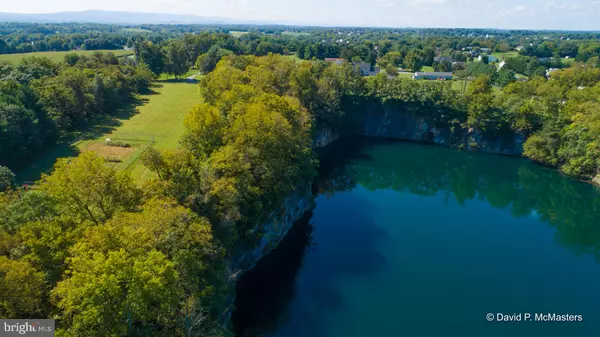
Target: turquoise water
x,y
413,240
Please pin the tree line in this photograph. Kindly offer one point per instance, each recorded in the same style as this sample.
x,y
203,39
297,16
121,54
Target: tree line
x,y
42,101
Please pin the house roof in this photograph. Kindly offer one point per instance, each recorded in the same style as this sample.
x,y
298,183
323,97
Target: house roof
x,y
442,58
433,73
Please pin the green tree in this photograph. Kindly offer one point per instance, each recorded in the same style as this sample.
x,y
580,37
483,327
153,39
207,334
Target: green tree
x,y
204,130
176,59
413,61
116,293
89,189
391,70
7,179
152,55
21,289
505,77
208,61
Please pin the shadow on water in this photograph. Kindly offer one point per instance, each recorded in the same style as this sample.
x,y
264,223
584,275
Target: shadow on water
x,y
348,250
264,292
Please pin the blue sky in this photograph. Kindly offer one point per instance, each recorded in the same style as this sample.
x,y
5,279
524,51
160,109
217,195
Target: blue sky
x,y
532,14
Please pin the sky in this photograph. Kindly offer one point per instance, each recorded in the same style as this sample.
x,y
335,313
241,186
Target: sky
x,y
510,14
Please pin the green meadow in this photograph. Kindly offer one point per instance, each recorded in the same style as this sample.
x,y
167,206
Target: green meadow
x,y
58,56
153,120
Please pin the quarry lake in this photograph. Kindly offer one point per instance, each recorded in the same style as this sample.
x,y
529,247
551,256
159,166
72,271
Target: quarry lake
x,y
414,240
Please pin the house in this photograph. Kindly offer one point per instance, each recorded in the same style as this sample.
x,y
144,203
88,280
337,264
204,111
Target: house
x,y
485,50
432,76
443,58
519,48
335,60
365,68
550,71
490,58
459,65
501,64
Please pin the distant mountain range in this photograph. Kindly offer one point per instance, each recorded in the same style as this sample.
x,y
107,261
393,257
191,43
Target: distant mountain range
x,y
112,17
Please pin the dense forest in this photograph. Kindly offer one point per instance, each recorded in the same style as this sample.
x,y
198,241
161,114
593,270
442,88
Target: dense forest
x,y
106,257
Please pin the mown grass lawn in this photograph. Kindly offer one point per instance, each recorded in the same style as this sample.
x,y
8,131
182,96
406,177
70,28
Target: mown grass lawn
x,y
237,33
296,33
294,57
505,55
58,56
154,120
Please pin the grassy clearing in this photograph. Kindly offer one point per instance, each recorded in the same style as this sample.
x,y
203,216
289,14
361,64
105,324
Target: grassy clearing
x,y
505,55
294,57
168,77
237,33
460,85
59,56
568,61
155,120
137,30
296,33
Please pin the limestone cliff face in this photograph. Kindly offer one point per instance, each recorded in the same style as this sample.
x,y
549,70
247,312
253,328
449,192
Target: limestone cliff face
x,y
389,123
295,205
273,231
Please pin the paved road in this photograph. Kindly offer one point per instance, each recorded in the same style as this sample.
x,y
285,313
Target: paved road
x,y
192,77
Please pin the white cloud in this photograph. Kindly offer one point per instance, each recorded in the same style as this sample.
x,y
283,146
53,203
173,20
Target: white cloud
x,y
520,8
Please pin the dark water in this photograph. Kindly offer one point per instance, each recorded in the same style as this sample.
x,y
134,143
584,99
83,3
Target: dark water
x,y
413,240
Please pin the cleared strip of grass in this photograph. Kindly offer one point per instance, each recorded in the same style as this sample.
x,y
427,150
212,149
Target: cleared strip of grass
x,y
237,33
154,120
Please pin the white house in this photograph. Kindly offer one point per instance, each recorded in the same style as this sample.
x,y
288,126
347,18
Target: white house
x,y
432,76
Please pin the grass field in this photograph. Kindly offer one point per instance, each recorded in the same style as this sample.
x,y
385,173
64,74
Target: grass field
x,y
568,61
505,55
237,33
294,57
168,77
155,120
137,30
296,33
58,56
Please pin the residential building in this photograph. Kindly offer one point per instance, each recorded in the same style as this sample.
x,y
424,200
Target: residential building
x,y
443,58
335,60
432,76
490,58
365,68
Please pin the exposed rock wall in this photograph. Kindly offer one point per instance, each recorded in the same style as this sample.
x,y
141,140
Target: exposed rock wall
x,y
295,205
387,122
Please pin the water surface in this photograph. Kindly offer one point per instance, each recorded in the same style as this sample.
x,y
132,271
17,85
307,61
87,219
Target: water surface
x,y
414,240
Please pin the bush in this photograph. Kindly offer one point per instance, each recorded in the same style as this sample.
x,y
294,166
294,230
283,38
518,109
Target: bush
x,y
118,144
